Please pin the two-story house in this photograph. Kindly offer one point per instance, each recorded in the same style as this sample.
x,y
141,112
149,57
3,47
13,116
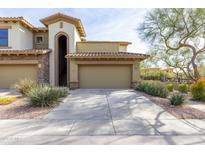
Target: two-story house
x,y
60,55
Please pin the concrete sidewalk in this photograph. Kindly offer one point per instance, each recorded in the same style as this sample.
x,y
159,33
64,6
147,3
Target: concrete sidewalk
x,y
103,140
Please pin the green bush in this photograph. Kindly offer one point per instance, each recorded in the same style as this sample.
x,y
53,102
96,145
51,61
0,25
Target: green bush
x,y
177,99
198,90
183,88
170,87
25,85
155,88
62,91
45,95
142,85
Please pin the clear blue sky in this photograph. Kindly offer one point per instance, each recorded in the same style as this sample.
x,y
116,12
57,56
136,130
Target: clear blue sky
x,y
99,24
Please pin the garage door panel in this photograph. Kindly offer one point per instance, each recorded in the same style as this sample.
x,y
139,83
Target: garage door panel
x,y
105,76
10,74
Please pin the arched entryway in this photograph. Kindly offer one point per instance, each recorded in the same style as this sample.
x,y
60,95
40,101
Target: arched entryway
x,y
61,62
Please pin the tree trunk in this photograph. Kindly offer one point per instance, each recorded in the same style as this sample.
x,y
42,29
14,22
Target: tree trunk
x,y
195,68
196,72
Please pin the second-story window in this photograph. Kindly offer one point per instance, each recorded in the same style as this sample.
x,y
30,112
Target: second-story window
x,y
3,37
39,40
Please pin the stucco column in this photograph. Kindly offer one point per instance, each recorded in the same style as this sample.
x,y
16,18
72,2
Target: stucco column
x,y
135,72
54,30
74,83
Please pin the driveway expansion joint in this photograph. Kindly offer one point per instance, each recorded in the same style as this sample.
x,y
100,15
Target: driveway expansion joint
x,y
106,95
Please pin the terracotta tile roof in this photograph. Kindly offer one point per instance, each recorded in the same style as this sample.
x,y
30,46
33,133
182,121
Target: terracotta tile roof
x,y
23,22
39,29
126,55
24,52
17,19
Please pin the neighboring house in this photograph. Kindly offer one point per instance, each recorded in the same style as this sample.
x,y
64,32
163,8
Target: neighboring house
x,y
59,54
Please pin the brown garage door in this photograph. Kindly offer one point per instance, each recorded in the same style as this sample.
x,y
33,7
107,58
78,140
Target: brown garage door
x,y
105,76
10,74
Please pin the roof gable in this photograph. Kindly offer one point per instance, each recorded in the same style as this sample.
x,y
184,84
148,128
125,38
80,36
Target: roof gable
x,y
21,20
61,17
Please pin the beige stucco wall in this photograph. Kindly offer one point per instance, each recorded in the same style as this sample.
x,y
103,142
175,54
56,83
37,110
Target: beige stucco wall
x,y
18,36
97,47
76,38
73,71
45,42
136,71
54,29
123,48
26,38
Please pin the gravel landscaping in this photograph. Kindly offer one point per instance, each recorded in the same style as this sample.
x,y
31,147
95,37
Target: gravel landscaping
x,y
21,109
180,112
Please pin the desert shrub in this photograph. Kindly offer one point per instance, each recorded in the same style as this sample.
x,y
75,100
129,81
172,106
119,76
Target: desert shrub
x,y
170,87
7,100
198,90
142,85
62,91
25,85
183,88
155,88
45,95
177,99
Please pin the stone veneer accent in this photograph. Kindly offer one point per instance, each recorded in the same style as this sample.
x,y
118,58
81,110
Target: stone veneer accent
x,y
43,72
43,64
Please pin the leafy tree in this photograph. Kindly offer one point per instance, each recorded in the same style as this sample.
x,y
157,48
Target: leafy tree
x,y
176,37
202,71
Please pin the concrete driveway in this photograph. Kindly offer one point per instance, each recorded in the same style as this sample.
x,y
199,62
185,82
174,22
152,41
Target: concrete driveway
x,y
104,117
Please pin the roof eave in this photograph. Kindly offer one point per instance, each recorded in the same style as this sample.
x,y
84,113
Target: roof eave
x,y
105,57
40,29
21,20
25,52
120,42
